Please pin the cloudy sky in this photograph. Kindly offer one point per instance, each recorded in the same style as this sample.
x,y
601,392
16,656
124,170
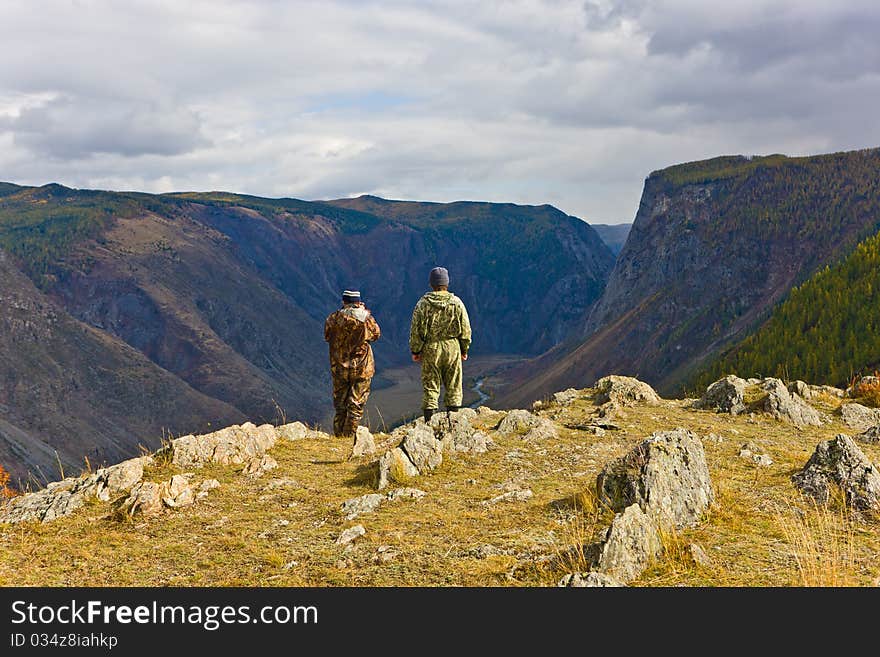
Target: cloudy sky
x,y
528,101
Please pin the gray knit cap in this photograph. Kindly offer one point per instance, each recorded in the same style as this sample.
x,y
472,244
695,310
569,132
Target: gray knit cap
x,y
351,296
439,276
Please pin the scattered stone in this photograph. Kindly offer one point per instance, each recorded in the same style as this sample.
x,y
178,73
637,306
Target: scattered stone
x,y
633,542
354,507
544,430
666,475
699,556
513,455
713,438
292,431
455,432
406,494
783,405
588,580
350,535
259,465
209,484
841,462
625,391
281,483
828,390
801,389
364,444
869,436
386,553
145,499
858,417
565,397
178,492
754,454
517,421
121,477
724,396
394,465
511,496
423,450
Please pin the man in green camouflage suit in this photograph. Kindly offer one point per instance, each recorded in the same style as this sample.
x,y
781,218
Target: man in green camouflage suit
x,y
349,332
439,339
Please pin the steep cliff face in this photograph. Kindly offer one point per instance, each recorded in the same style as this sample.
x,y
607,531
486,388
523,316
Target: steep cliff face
x,y
223,298
714,247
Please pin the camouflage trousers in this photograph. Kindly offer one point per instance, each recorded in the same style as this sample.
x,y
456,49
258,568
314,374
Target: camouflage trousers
x,y
349,399
441,365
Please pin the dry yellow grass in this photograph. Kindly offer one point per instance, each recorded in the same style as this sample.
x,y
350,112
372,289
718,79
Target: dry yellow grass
x,y
759,532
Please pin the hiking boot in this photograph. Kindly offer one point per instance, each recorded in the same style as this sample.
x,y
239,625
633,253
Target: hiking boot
x,y
428,412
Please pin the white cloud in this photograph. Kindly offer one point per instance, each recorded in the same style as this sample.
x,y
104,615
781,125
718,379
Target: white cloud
x,y
530,101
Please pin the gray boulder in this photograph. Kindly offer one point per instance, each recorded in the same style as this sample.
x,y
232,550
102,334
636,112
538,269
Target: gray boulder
x,y
633,543
145,498
545,429
625,391
178,492
870,436
858,417
364,444
292,431
354,507
351,534
455,432
565,397
422,447
666,475
231,445
801,389
788,407
724,396
517,421
588,580
394,465
842,463
257,466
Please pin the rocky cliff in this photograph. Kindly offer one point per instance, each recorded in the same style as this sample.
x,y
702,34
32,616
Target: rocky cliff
x,y
714,247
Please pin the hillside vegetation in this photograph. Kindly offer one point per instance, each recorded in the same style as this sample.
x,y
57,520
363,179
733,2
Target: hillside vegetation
x,y
827,330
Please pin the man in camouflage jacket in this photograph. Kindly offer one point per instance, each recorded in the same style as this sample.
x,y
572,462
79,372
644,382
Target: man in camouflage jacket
x,y
439,339
349,332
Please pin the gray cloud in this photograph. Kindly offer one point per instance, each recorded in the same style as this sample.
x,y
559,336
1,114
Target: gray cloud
x,y
531,101
71,128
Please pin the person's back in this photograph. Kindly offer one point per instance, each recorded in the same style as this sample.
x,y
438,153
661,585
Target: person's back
x,y
348,335
440,336
349,332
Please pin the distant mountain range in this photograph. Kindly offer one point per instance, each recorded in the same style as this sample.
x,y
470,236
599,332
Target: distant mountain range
x,y
614,235
128,316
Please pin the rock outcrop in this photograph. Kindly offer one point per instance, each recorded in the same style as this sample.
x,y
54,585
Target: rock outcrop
x,y
364,444
61,498
786,406
858,417
724,396
870,436
728,395
666,475
517,421
232,445
633,542
625,391
841,463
